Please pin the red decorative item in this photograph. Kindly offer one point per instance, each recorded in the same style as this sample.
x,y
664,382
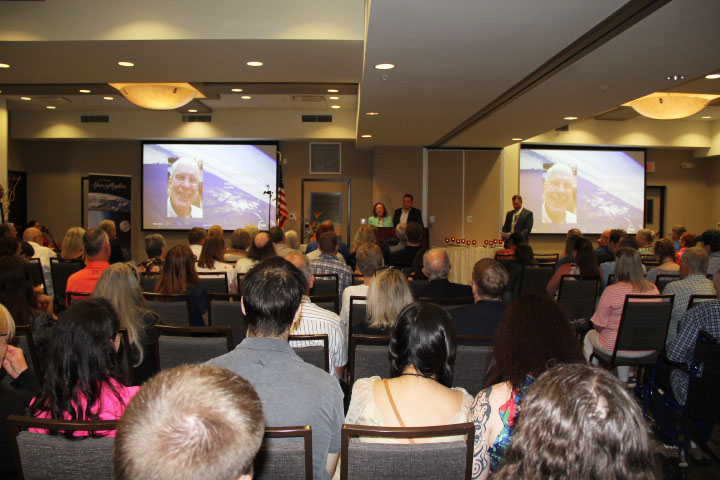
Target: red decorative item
x,y
474,242
452,239
447,240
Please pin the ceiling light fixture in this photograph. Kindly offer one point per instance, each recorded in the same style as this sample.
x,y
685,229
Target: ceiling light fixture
x,y
367,135
192,110
334,98
236,90
246,97
371,114
675,77
254,63
158,96
570,118
712,76
84,90
670,106
4,65
336,107
25,98
706,117
333,90
108,98
50,107
126,64
516,139
384,66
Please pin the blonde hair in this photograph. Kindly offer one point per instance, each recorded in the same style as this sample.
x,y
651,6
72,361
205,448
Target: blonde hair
x,y
72,244
119,285
9,321
387,295
365,234
628,268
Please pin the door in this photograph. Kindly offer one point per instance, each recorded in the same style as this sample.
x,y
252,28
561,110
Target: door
x,y
655,209
325,199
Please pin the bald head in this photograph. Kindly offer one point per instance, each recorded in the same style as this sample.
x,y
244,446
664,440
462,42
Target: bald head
x,y
261,239
436,264
32,234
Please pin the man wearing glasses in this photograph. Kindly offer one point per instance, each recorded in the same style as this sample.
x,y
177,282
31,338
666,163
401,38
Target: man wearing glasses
x,y
183,189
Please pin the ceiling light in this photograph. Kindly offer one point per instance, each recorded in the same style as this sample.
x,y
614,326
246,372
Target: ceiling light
x,y
192,110
126,64
333,90
25,98
108,98
706,117
336,107
254,64
4,65
334,98
670,106
712,76
84,90
372,114
158,96
367,135
51,107
570,118
384,66
675,77
516,139
237,90
246,97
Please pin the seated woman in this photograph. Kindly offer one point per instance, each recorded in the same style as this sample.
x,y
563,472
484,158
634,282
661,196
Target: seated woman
x,y
579,422
584,263
179,276
83,379
364,235
629,279
387,295
665,254
380,217
155,247
422,362
211,261
566,254
687,240
534,335
119,285
72,245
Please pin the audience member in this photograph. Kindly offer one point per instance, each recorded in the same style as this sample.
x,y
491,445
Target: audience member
x,y
179,276
644,239
83,377
711,243
97,254
116,253
119,285
155,247
277,237
404,258
369,260
252,230
9,246
608,268
693,281
261,248
211,261
584,263
216,231
34,237
364,235
317,320
292,392
436,267
518,358
328,263
196,239
407,213
26,251
677,231
665,254
687,240
193,421
72,246
239,243
326,226
400,229
292,240
8,230
387,295
489,279
603,252
567,254
579,422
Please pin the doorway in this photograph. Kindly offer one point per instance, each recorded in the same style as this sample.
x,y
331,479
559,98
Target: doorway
x,y
655,209
325,199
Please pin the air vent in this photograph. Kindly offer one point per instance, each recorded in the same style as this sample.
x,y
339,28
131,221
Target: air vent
x,y
324,158
308,98
316,118
197,118
94,118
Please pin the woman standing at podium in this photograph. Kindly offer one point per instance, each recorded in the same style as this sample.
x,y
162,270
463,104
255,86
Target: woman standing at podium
x,y
380,217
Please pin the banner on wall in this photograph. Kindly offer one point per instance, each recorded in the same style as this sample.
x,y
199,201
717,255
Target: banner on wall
x,y
109,199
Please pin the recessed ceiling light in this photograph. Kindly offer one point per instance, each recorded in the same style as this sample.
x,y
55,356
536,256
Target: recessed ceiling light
x,y
384,66
25,98
246,97
367,135
255,63
707,117
126,64
84,90
333,90
675,77
193,110
108,98
372,114
336,107
51,107
516,139
712,76
4,65
570,118
334,98
236,90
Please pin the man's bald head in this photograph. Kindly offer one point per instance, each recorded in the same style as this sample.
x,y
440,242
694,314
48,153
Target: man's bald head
x,y
261,239
32,234
436,264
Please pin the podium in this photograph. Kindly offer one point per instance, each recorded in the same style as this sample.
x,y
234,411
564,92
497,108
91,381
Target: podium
x,y
388,233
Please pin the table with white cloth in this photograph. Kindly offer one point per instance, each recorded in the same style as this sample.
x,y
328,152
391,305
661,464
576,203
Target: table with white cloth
x,y
463,260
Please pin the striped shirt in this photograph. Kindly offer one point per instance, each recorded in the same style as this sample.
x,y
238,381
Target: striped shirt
x,y
696,284
317,320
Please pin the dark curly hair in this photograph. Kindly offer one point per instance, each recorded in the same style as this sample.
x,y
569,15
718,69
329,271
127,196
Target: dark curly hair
x,y
664,249
424,337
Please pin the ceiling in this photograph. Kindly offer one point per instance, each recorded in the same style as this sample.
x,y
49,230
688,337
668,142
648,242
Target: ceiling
x,y
468,73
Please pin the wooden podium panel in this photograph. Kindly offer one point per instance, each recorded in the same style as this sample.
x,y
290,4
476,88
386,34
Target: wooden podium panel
x,y
387,233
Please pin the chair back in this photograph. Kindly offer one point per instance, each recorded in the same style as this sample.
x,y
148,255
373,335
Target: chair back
x,y
446,460
226,311
661,281
703,391
214,282
643,324
534,278
358,309
148,281
472,362
417,286
698,299
74,297
325,284
547,258
287,460
358,279
578,294
240,282
24,340
60,271
611,279
36,271
368,356
124,357
185,345
313,349
41,456
448,303
328,302
173,309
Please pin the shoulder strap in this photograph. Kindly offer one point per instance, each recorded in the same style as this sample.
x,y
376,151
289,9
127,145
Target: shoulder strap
x,y
394,407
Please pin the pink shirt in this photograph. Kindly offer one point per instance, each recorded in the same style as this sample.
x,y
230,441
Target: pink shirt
x,y
609,310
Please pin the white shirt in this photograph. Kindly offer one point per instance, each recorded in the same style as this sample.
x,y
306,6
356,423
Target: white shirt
x,y
317,320
196,249
404,216
195,212
570,217
351,291
45,254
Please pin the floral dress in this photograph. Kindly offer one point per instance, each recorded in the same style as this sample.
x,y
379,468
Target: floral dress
x,y
508,414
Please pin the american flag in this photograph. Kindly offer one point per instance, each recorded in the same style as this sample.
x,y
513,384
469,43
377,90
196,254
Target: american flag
x,y
282,213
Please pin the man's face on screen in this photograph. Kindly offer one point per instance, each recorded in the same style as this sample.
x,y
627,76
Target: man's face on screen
x,y
184,187
559,188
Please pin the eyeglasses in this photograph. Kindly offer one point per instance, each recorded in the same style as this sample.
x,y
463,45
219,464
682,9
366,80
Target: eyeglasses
x,y
182,178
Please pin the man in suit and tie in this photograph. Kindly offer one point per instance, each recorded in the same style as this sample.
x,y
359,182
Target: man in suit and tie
x,y
518,220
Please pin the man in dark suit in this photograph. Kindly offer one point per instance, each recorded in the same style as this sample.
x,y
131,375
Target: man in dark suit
x,y
436,266
404,258
410,213
489,281
518,220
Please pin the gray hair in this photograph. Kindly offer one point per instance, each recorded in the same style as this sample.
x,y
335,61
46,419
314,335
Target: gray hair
x,y
645,234
240,239
9,321
697,261
94,241
400,231
292,240
440,267
369,258
154,244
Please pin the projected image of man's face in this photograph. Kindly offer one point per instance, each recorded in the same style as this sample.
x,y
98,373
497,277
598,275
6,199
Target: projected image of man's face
x,y
184,186
558,192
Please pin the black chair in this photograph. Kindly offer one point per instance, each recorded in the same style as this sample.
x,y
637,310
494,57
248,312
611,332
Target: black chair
x,y
214,282
148,281
578,295
472,362
285,460
448,303
23,339
173,309
60,271
125,359
358,309
379,461
417,286
368,356
534,278
358,279
36,270
307,348
547,258
226,311
325,284
72,297
187,345
41,456
328,302
661,281
698,299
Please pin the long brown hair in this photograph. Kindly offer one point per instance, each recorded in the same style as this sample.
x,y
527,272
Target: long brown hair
x,y
178,271
212,251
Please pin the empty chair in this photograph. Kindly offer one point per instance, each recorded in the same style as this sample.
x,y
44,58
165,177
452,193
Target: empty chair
x,y
472,362
173,309
447,460
214,282
662,280
183,345
325,284
226,311
148,281
368,356
578,295
41,456
313,349
60,271
534,278
287,460
37,273
358,309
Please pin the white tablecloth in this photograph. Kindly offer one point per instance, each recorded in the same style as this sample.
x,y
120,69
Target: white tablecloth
x,y
463,260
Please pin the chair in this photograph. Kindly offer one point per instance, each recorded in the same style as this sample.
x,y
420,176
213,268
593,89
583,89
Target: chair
x,y
661,281
186,345
447,460
328,302
578,295
240,281
41,456
24,340
546,258
124,358
38,278
643,326
148,281
472,362
698,299
72,297
172,308
534,278
368,356
60,271
325,284
226,311
417,286
214,282
318,355
285,460
358,309
448,303
611,279
358,279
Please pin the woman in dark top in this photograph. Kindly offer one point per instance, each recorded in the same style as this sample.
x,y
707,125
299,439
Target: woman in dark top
x,y
179,276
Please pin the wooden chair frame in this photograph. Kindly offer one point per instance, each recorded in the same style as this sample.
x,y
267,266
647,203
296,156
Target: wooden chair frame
x,y
304,432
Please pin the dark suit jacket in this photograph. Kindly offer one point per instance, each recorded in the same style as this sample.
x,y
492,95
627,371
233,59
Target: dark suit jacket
x,y
523,225
414,215
404,258
482,318
443,288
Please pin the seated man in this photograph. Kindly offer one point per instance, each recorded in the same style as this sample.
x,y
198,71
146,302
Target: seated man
x,y
97,254
326,226
317,320
693,281
436,266
196,239
603,252
239,243
292,392
489,281
155,247
193,421
116,253
711,243
329,263
277,237
8,230
34,237
404,258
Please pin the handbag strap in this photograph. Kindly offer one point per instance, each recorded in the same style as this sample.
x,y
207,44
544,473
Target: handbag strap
x,y
394,407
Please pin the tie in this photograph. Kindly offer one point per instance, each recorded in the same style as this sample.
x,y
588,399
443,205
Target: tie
x,y
514,222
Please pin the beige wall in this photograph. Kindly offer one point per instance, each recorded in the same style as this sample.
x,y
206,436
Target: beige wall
x,y
397,171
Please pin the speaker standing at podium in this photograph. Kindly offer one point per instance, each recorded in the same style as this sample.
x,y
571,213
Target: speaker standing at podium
x,y
518,220
407,213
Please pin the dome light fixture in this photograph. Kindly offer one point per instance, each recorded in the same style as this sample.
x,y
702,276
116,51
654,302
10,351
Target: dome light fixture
x,y
158,96
670,106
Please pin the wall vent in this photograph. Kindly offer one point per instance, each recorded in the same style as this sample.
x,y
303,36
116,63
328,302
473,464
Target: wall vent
x,y
324,158
94,118
196,118
316,118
